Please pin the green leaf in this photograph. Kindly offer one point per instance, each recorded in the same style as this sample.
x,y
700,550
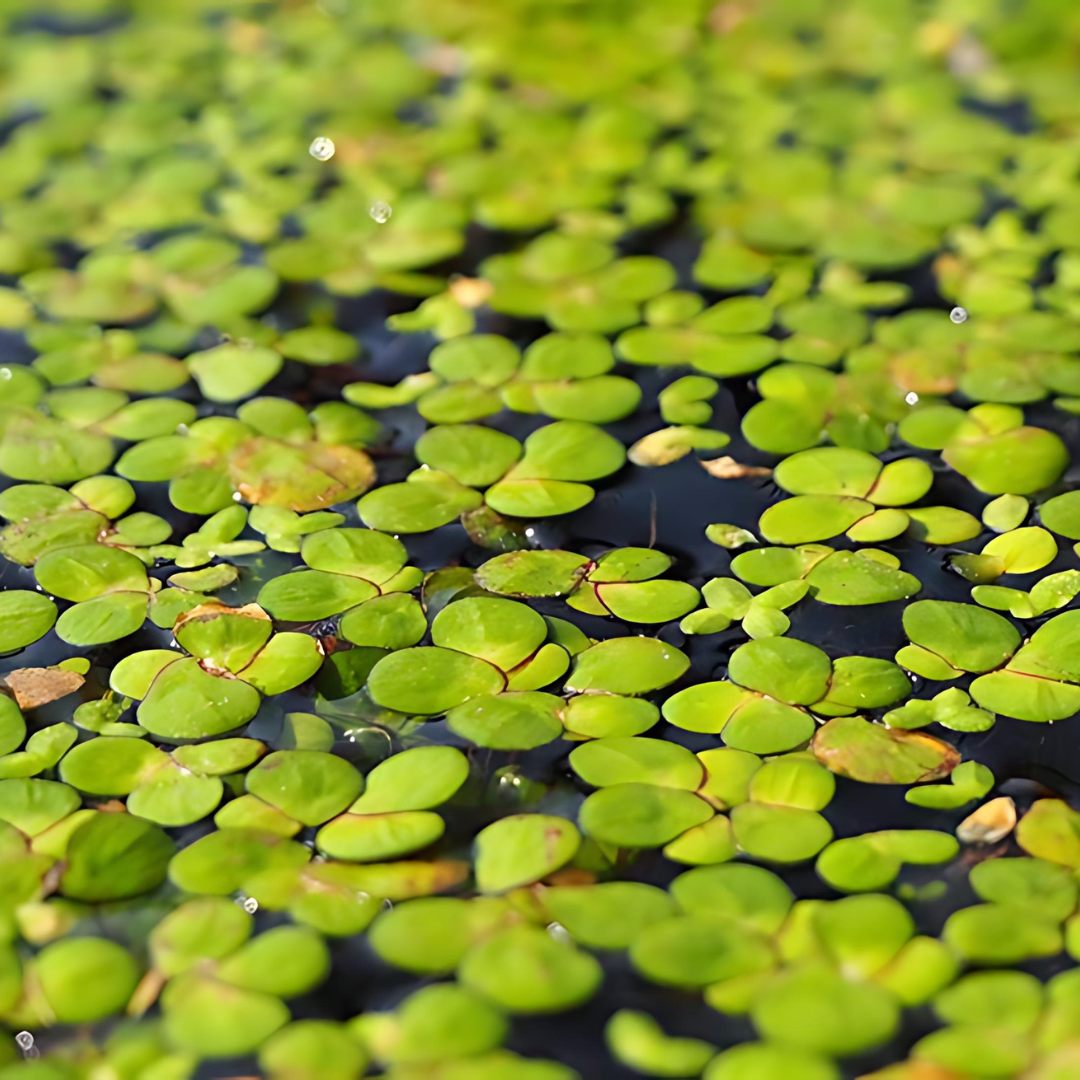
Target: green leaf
x,y
232,372
524,970
631,665
115,856
64,969
308,785
641,815
521,849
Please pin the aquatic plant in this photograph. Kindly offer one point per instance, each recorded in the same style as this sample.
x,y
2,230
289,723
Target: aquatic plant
x,y
532,500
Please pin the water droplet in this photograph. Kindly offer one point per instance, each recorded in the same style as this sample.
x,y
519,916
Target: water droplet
x,y
559,932
237,496
322,148
380,212
24,1040
5,373
958,315
912,398
250,905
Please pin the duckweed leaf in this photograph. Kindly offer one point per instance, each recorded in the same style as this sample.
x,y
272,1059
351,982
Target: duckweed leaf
x,y
872,754
770,1061
1047,887
311,1048
967,782
431,680
805,519
115,856
1017,462
1026,697
610,761
639,815
816,1009
532,573
636,1040
427,500
873,861
416,779
630,666
779,833
64,970
851,578
786,669
24,617
742,892
524,970
33,805
232,372
207,928
220,862
695,950
521,849
517,720
213,1019
186,702
648,601
598,716
608,915
1051,830
472,455
674,443
308,785
502,632
966,637
433,934
1001,934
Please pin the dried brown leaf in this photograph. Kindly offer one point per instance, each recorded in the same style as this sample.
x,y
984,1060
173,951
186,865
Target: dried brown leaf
x,y
470,292
212,609
38,686
727,468
993,821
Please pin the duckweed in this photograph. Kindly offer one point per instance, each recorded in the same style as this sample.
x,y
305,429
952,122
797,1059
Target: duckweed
x,y
524,520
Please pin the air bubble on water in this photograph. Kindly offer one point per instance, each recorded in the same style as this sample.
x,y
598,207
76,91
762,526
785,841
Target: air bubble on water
x,y
5,373
250,905
958,315
24,1041
380,212
559,932
322,148
912,398
237,496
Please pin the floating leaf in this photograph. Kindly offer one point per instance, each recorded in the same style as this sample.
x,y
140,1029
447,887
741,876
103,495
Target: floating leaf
x,y
852,747
431,680
524,970
641,815
815,1009
636,1040
631,665
521,849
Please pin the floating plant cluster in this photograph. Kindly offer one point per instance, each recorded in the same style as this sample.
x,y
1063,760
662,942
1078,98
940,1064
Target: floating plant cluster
x,y
537,540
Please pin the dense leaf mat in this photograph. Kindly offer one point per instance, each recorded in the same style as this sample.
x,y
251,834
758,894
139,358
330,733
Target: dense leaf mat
x,y
538,539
